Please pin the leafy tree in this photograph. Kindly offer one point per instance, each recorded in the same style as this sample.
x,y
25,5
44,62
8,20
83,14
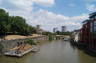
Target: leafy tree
x,y
14,24
3,21
47,33
63,33
58,33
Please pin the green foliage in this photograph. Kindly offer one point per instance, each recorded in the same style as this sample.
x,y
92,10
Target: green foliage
x,y
1,48
50,37
3,21
48,33
14,24
63,33
31,42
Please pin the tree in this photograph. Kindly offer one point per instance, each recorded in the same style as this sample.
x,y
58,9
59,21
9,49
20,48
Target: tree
x,y
3,22
58,33
14,24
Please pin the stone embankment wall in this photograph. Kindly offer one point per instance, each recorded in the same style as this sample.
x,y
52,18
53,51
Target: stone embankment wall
x,y
8,44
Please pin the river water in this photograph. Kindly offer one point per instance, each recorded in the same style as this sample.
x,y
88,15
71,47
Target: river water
x,y
53,52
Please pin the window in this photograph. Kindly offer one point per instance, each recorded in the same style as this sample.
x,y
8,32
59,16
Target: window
x,y
91,29
95,17
94,26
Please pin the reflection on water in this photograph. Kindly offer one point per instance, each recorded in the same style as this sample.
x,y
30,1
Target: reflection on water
x,y
52,52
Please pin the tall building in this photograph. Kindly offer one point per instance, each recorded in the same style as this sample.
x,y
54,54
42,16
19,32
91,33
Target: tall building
x,y
38,27
39,30
63,28
54,30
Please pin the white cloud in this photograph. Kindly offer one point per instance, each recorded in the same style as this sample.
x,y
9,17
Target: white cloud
x,y
45,2
91,7
80,18
48,19
23,4
28,4
45,18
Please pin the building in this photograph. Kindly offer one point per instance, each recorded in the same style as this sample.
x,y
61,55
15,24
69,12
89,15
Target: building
x,y
75,36
93,30
88,33
63,28
38,29
54,30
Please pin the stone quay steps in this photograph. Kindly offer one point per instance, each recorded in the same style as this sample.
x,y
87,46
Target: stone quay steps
x,y
14,54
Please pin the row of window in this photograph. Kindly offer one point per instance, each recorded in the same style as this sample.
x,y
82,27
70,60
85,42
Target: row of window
x,y
93,26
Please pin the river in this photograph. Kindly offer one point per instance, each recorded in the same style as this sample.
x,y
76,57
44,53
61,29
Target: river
x,y
53,52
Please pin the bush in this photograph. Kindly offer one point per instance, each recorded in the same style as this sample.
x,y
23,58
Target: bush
x,y
50,38
1,48
31,42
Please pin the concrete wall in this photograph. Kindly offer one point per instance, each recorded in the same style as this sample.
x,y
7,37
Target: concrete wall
x,y
12,43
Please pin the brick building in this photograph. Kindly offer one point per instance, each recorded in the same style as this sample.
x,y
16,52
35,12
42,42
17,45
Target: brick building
x,y
88,32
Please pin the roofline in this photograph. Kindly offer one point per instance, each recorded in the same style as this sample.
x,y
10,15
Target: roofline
x,y
86,20
92,14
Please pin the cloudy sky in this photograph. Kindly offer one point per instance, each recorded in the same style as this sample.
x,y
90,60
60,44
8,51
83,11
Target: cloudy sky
x,y
51,13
